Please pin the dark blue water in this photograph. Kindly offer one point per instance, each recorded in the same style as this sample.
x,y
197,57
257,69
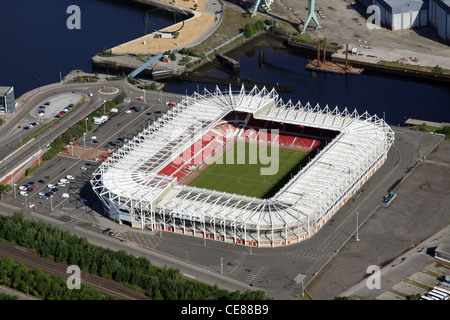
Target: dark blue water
x,y
37,46
398,99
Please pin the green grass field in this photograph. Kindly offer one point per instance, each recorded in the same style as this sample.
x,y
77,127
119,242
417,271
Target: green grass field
x,y
246,179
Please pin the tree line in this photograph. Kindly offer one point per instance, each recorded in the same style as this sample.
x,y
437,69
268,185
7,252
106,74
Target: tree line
x,y
157,283
47,287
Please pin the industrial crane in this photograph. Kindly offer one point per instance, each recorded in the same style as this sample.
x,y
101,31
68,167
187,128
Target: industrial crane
x,y
258,2
312,14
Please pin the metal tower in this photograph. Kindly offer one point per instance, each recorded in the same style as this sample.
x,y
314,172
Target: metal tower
x,y
312,14
266,3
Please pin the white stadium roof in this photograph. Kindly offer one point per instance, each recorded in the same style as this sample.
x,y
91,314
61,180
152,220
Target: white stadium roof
x,y
130,178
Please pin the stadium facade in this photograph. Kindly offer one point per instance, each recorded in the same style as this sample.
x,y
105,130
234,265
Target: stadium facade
x,y
144,182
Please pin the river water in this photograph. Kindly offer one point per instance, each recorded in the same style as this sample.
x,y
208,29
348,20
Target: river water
x,y
37,46
394,99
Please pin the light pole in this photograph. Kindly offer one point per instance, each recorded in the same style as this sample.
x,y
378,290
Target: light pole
x,y
86,123
357,235
84,139
221,265
15,191
71,147
51,203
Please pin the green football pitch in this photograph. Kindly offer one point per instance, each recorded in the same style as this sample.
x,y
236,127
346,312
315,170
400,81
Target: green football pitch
x,y
227,175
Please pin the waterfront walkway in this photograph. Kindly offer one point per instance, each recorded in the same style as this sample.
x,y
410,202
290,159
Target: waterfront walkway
x,y
375,55
204,20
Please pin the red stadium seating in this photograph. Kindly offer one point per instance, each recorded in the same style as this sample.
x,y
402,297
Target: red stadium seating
x,y
213,140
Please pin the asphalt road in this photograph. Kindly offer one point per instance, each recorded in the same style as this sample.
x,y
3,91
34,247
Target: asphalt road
x,y
279,271
11,132
282,272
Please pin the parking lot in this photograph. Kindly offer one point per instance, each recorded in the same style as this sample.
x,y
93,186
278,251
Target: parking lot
x,y
50,109
123,125
61,186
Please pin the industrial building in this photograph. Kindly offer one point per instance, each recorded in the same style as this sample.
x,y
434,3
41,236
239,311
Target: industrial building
x,y
439,17
403,14
7,100
442,252
406,14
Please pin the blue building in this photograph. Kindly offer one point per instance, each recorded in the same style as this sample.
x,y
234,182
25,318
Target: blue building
x,y
7,100
439,17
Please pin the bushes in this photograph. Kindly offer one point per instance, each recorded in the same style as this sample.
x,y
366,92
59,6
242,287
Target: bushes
x,y
158,283
171,55
251,28
192,53
35,282
184,61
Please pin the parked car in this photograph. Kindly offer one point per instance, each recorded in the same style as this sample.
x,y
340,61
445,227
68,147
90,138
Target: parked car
x,y
23,193
60,184
65,195
63,180
106,230
70,177
84,200
23,188
51,186
112,233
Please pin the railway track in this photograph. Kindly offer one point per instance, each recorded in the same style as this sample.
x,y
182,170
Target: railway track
x,y
48,266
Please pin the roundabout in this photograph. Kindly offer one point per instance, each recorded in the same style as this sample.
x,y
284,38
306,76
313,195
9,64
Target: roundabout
x,y
109,90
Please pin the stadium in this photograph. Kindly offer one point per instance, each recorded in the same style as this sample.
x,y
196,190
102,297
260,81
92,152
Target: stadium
x,y
242,167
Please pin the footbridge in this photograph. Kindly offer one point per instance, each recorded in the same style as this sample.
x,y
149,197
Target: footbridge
x,y
144,66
